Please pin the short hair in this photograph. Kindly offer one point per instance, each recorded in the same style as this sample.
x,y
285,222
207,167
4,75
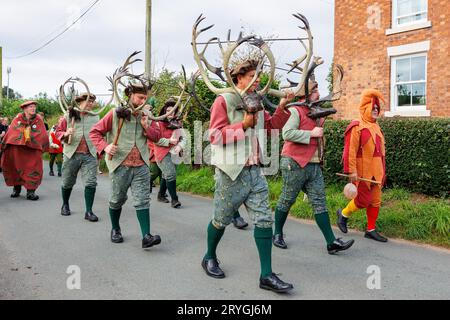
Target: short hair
x,y
242,68
169,103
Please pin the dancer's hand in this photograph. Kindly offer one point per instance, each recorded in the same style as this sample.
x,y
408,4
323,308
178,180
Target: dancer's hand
x,y
317,132
111,149
250,120
69,132
144,121
289,97
353,177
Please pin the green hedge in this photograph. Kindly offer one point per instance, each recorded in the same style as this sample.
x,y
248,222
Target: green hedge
x,y
417,153
10,108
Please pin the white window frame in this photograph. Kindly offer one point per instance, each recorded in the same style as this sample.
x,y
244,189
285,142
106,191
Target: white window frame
x,y
401,52
414,25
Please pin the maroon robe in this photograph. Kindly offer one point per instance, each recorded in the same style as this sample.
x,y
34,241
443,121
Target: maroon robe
x,y
21,159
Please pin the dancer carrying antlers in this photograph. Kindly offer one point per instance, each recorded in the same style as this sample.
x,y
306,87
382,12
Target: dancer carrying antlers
x,y
79,152
122,135
237,118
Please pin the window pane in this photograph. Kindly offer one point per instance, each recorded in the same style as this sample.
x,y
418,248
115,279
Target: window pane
x,y
406,7
404,95
410,19
418,68
403,70
418,94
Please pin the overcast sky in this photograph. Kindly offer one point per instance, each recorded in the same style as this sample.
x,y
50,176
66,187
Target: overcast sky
x,y
106,35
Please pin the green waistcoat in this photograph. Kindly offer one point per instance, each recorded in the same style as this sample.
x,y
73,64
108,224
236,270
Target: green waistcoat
x,y
82,128
132,134
231,158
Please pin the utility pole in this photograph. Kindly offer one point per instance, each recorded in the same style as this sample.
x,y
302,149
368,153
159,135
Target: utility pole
x,y
148,39
8,71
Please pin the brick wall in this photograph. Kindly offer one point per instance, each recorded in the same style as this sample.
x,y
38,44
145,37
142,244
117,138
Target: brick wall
x,y
363,53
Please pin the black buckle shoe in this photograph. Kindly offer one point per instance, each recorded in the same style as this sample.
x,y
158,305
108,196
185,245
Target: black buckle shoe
x,y
163,199
341,221
65,210
212,269
16,191
275,284
239,222
374,235
278,241
51,173
59,174
31,195
89,215
150,241
176,204
339,245
116,236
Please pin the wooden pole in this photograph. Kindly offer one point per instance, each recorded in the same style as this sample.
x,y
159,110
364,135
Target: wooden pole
x,y
116,138
148,39
360,179
72,125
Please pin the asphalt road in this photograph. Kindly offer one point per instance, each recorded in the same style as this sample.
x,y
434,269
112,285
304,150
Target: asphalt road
x,y
37,246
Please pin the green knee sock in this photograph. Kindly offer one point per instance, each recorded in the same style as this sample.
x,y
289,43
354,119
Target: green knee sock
x,y
236,215
172,187
213,238
323,221
114,214
263,239
143,216
280,220
89,194
162,187
66,195
59,166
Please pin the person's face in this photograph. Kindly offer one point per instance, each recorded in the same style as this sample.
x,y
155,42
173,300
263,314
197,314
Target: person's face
x,y
244,81
138,99
172,116
87,105
30,110
314,95
375,114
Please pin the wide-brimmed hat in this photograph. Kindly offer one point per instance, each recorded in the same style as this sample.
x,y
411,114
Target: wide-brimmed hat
x,y
84,97
28,103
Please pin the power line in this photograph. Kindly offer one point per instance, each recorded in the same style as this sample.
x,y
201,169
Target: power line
x,y
58,35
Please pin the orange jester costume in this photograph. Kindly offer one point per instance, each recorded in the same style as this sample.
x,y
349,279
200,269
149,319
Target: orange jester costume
x,y
364,157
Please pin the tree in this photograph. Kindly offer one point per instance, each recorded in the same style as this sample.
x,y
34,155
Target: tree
x,y
12,94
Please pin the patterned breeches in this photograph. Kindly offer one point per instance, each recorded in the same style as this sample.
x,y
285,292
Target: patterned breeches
x,y
79,161
308,179
168,169
138,178
251,189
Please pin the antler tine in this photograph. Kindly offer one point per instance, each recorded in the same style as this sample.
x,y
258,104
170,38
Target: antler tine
x,y
128,61
307,57
337,90
61,98
303,19
216,70
193,92
201,60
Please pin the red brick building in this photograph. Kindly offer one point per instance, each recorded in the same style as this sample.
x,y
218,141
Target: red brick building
x,y
400,47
